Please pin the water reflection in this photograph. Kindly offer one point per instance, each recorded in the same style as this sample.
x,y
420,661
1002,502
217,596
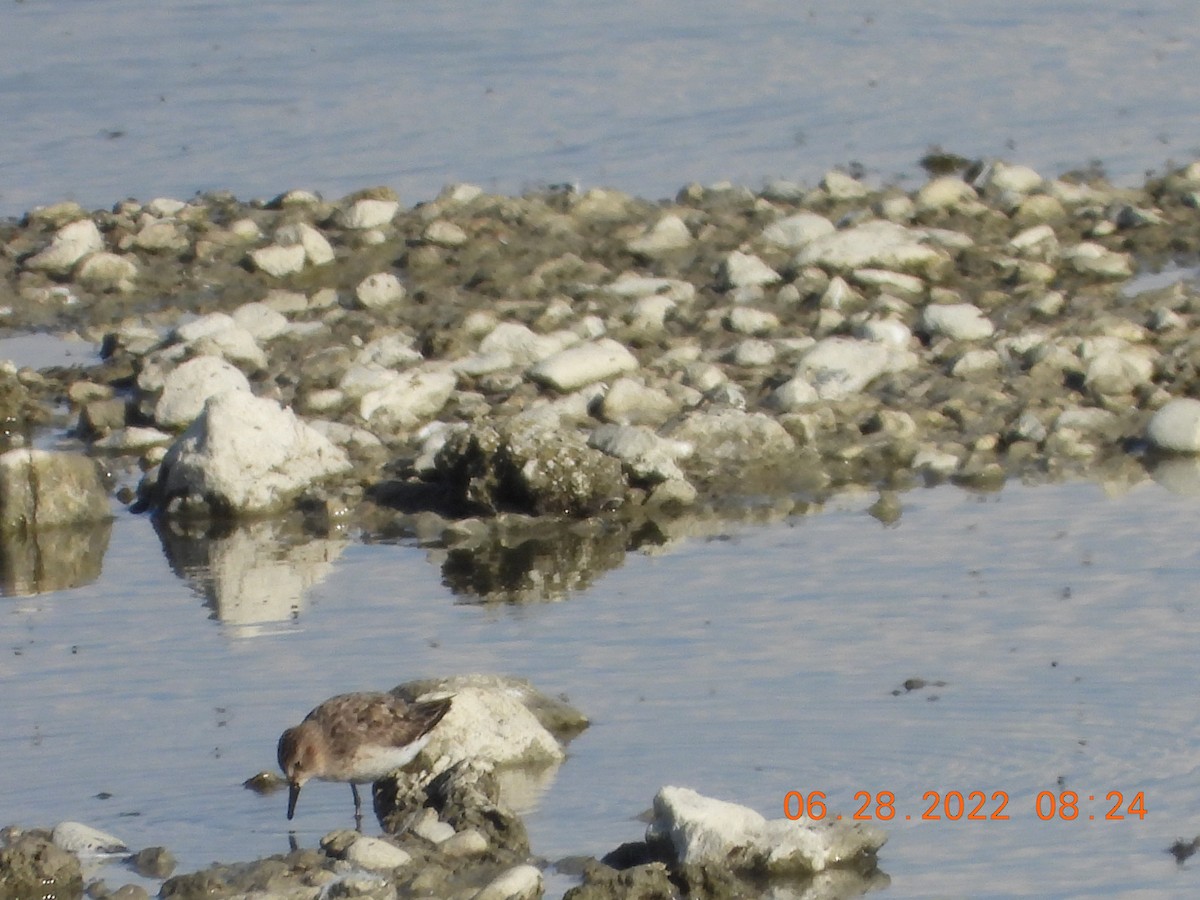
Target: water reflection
x,y
36,561
250,574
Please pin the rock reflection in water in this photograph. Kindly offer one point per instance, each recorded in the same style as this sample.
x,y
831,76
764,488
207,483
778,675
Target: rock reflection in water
x,y
52,559
250,574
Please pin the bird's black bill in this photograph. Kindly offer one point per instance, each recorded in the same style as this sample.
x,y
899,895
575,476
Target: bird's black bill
x,y
293,796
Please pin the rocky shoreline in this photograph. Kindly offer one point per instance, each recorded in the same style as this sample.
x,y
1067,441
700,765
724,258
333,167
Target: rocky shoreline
x,y
585,373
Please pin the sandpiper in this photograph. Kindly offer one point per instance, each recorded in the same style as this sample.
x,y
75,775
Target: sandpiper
x,y
357,738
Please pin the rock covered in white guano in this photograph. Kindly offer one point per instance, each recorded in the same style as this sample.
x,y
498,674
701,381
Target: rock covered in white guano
x,y
741,270
1176,426
957,321
379,290
839,367
317,249
706,831
1096,260
187,387
278,261
245,455
584,364
647,457
797,230
668,234
409,398
71,243
875,244
47,488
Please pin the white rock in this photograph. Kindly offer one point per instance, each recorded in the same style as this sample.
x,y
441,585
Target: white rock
x,y
733,435
895,283
667,234
278,261
885,331
793,394
444,234
1176,426
379,290
948,192
104,270
839,367
376,854
841,186
1018,179
747,320
260,320
975,361
158,236
133,440
86,841
875,244
703,830
650,313
245,454
1038,242
584,364
187,387
739,270
410,399
633,287
646,456
367,213
795,231
1118,372
957,321
1094,259
70,244
217,334
522,882
165,207
490,723
753,353
317,249
523,346
629,402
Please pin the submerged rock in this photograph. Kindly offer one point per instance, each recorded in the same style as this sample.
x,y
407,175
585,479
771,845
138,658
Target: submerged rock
x,y
44,489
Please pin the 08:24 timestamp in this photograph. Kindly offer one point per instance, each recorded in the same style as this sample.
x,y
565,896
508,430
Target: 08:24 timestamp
x,y
972,806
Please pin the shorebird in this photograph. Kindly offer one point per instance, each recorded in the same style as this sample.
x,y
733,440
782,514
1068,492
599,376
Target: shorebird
x,y
357,738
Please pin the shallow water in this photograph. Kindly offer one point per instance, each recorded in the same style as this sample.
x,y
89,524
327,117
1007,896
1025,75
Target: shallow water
x,y
748,664
111,98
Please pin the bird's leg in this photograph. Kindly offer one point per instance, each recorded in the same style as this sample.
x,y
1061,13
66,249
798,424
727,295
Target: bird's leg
x,y
357,807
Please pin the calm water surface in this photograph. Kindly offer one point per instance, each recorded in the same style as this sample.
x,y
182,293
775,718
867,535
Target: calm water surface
x,y
103,99
1062,621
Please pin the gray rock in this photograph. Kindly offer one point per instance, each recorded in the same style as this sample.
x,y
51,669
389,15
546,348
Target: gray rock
x,y
105,271
86,841
1097,261
631,286
585,364
45,488
1176,426
375,854
733,436
186,388
629,402
646,457
244,455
